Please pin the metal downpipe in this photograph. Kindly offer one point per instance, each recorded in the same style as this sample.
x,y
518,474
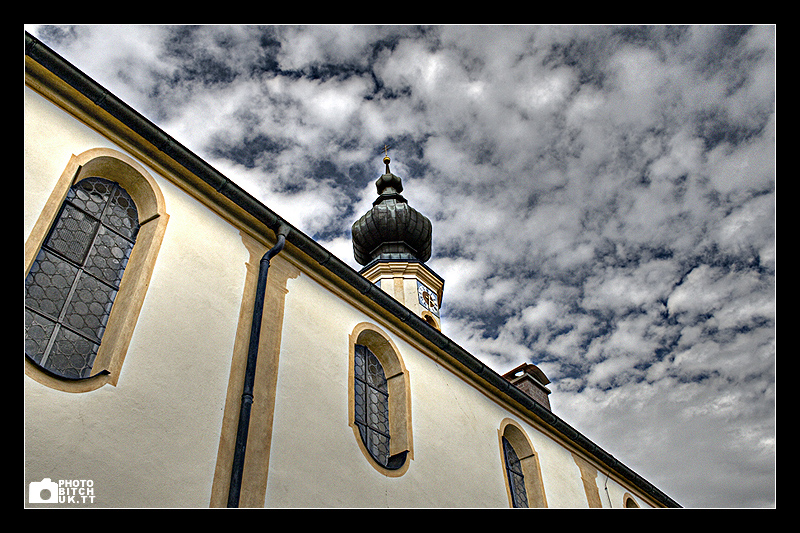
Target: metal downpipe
x,y
237,469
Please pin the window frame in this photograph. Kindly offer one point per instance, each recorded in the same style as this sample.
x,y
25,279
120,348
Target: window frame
x,y
145,192
96,230
398,385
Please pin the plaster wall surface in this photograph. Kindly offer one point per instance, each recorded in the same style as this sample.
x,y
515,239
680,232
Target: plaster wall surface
x,y
152,439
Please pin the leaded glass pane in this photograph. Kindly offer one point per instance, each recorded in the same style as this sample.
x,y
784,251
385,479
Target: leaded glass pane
x,y
379,446
90,195
72,355
109,256
121,214
72,284
72,234
38,331
359,362
360,409
89,307
375,376
48,284
378,410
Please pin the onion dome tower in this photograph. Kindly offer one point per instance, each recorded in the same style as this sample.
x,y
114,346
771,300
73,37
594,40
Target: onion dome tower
x,y
393,240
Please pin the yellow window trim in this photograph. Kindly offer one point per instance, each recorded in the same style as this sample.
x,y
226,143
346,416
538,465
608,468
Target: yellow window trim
x,y
397,379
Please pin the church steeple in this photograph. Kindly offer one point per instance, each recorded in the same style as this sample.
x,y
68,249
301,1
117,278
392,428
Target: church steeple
x,y
393,241
391,229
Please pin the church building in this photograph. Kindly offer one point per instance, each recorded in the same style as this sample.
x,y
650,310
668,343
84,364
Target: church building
x,y
186,347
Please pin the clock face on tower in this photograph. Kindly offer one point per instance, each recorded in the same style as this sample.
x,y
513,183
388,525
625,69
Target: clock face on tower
x,y
427,298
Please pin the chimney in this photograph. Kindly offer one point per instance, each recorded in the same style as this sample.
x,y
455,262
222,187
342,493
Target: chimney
x,y
531,380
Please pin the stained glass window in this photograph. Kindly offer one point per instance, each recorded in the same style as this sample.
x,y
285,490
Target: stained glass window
x,y
516,480
372,404
72,284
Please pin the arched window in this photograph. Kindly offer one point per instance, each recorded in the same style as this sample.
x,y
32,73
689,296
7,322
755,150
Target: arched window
x,y
521,467
628,502
72,284
380,412
88,261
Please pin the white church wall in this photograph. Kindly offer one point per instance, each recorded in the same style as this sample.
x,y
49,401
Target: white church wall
x,y
152,439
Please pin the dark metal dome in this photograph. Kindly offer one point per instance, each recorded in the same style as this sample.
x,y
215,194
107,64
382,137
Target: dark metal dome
x,y
391,229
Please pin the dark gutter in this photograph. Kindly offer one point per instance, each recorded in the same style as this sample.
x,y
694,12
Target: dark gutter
x,y
195,165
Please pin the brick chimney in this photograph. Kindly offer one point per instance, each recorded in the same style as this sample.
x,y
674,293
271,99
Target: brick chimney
x,y
531,380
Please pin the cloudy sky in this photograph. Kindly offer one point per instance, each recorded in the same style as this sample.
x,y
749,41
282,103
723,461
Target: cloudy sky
x,y
602,198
